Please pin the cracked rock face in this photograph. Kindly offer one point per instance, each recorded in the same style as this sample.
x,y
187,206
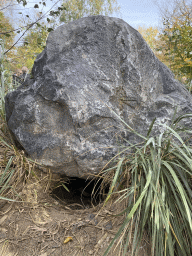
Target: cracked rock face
x,y
64,118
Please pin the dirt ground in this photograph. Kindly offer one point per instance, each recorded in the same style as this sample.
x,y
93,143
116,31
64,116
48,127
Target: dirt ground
x,y
40,225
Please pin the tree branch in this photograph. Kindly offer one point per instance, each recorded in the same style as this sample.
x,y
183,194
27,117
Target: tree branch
x,y
30,26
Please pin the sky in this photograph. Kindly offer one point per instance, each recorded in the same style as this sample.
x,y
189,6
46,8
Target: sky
x,y
134,12
139,12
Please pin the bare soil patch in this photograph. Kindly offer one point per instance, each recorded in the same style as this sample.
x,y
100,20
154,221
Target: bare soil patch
x,y
40,225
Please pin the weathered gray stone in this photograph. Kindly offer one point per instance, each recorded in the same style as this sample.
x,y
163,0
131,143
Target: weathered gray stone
x,y
62,117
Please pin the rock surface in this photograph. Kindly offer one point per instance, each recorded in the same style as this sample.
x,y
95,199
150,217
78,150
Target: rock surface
x,y
62,117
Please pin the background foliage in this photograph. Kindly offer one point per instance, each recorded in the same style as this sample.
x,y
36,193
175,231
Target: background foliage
x,y
172,42
25,32
33,44
76,9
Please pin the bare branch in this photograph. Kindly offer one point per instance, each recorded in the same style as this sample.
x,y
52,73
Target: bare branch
x,y
30,26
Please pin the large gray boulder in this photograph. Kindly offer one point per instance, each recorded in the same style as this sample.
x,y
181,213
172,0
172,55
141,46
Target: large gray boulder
x,y
63,116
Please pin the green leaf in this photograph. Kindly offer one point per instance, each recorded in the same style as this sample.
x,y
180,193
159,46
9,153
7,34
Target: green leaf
x,y
39,41
7,35
49,29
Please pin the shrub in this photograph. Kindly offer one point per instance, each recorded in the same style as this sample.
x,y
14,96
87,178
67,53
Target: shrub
x,y
159,193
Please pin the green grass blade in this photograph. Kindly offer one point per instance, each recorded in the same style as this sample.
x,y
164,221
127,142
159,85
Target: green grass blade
x,y
5,172
181,190
149,141
65,187
7,181
115,180
128,126
177,120
7,199
151,126
2,140
178,137
130,215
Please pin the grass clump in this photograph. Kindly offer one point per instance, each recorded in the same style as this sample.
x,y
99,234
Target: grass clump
x,y
158,194
14,166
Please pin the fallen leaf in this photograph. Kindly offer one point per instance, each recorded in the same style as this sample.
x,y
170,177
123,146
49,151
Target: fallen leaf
x,y
69,238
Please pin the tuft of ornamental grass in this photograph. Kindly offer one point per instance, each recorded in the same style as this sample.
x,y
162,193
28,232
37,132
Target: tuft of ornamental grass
x,y
14,166
158,194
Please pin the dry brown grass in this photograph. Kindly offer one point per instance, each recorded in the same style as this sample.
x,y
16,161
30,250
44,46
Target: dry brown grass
x,y
15,167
